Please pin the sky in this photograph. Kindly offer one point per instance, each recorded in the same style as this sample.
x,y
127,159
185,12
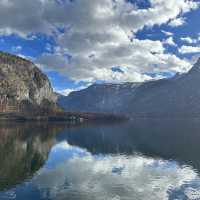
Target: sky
x,y
80,42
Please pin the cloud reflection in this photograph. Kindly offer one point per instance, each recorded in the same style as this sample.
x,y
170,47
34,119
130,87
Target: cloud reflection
x,y
72,172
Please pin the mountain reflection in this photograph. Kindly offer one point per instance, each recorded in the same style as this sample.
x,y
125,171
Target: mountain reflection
x,y
143,159
24,149
167,139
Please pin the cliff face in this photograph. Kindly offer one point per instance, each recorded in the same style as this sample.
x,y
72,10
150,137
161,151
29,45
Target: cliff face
x,y
177,96
22,83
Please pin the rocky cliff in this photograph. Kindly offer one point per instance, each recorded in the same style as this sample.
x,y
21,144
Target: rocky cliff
x,y
23,86
176,96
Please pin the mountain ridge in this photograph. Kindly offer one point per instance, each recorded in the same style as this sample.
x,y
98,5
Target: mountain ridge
x,y
176,96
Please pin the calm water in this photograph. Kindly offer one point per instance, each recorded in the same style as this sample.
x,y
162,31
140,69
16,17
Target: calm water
x,y
141,160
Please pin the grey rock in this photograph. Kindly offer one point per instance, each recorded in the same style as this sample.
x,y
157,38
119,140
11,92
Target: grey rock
x,y
21,81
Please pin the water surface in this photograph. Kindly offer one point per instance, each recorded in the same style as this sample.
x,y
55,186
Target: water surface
x,y
143,159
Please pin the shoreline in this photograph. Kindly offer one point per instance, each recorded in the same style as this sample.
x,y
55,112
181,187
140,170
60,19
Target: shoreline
x,y
62,117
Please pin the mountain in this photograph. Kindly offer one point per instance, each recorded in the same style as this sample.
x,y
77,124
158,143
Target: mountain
x,y
104,98
23,87
26,94
176,96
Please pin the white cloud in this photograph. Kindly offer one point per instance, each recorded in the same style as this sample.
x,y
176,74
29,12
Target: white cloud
x,y
170,41
177,22
97,35
167,33
23,17
189,49
67,91
189,40
135,59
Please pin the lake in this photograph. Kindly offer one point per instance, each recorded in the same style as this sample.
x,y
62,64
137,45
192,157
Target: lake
x,y
145,159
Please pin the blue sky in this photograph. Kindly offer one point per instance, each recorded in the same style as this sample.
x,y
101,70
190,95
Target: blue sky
x,y
77,43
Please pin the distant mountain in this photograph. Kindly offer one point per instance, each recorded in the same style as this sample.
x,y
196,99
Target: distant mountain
x,y
99,98
23,87
176,96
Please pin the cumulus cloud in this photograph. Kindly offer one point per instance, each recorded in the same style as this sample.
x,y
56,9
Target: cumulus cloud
x,y
135,59
98,66
46,15
97,35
